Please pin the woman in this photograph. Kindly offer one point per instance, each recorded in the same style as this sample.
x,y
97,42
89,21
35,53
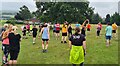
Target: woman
x,y
57,28
5,45
34,33
69,30
77,42
45,37
98,29
64,33
14,42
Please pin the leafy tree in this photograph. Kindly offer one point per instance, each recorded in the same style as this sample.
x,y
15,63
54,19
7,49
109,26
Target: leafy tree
x,y
107,20
96,18
64,11
115,18
24,13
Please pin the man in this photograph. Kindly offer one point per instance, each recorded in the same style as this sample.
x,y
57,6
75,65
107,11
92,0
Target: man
x,y
108,34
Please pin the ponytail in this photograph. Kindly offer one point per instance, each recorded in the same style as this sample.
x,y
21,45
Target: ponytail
x,y
77,30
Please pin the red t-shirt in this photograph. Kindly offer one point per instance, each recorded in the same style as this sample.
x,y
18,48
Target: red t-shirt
x,y
57,26
89,26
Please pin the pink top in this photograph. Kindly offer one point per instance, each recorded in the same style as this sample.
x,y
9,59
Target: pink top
x,y
6,41
28,26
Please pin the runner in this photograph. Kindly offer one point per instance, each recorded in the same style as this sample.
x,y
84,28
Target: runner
x,y
98,29
77,25
77,42
5,45
54,29
2,29
84,27
28,28
45,37
108,34
69,30
88,26
14,41
34,33
114,28
64,33
24,32
57,30
31,26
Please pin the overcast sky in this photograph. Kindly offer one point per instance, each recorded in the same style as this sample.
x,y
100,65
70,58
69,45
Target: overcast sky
x,y
102,7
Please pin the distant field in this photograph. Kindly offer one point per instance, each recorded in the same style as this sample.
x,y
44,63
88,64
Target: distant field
x,y
97,52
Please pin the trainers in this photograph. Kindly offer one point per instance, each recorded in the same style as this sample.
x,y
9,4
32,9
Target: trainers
x,y
65,42
61,41
45,50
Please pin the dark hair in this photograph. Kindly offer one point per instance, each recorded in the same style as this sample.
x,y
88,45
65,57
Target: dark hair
x,y
77,30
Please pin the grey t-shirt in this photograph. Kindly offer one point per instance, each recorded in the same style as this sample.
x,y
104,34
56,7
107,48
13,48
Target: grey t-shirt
x,y
1,30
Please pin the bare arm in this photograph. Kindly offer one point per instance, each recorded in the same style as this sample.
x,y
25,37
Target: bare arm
x,y
84,46
70,45
48,34
40,32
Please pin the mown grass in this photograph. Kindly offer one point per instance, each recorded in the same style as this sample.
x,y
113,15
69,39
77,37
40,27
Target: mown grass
x,y
97,52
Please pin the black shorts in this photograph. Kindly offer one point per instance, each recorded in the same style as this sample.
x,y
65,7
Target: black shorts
x,y
57,31
24,33
98,33
34,34
13,55
45,39
54,31
28,29
64,34
88,29
113,31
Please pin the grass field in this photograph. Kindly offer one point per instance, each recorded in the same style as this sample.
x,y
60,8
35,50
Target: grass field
x,y
97,52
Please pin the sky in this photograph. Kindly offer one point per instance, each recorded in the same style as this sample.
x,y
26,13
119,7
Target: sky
x,y
102,7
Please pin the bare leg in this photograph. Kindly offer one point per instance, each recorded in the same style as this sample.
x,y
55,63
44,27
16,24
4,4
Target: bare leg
x,y
42,44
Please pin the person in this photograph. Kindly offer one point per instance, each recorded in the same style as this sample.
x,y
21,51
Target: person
x,y
24,32
54,29
77,24
57,26
77,42
34,33
31,26
5,45
83,31
114,28
69,30
98,29
28,28
45,37
64,33
2,30
88,26
14,45
108,34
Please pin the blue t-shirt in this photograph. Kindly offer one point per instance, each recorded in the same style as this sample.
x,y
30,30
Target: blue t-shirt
x,y
77,25
45,33
108,31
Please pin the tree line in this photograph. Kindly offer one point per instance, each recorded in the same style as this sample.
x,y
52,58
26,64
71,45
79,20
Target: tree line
x,y
65,11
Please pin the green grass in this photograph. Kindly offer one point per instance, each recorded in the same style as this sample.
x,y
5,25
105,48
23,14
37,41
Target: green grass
x,y
97,52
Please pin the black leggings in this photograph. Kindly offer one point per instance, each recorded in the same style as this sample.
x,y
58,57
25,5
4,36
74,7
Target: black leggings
x,y
82,64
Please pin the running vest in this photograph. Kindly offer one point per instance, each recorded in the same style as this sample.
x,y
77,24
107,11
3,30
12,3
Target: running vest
x,y
45,33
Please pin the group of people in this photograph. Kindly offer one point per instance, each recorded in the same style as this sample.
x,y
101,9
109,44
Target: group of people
x,y
10,43
77,41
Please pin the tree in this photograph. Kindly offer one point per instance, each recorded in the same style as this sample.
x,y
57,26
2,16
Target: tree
x,y
107,20
24,13
115,18
64,11
96,19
